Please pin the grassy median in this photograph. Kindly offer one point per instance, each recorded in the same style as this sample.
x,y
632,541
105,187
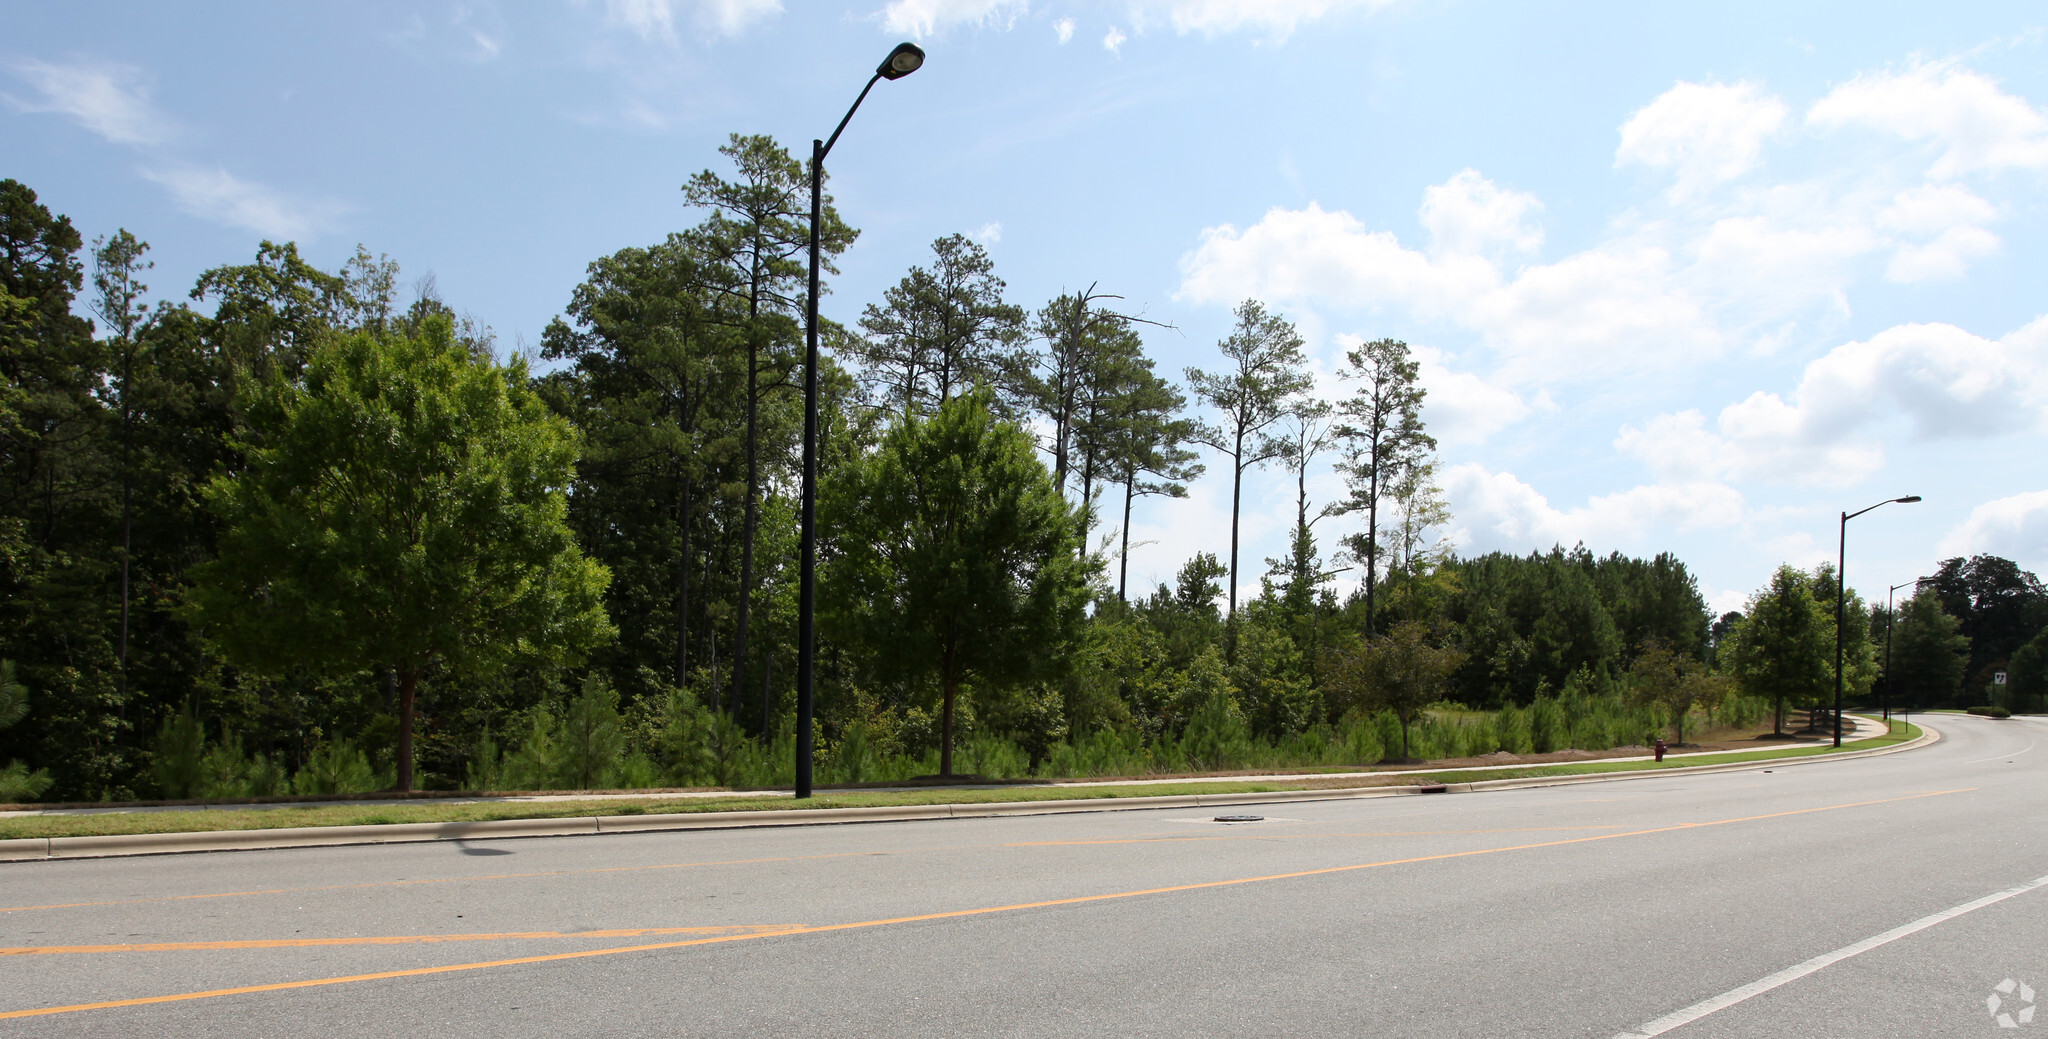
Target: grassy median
x,y
229,818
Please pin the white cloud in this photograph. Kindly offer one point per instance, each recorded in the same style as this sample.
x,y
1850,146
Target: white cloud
x,y
214,194
1950,223
1498,511
1613,307
1468,214
1706,133
2014,527
655,20
1462,407
1113,40
1064,29
1276,18
109,99
923,18
990,233
1946,381
1976,125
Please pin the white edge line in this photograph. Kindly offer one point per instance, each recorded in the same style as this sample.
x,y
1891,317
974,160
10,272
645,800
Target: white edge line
x,y
1794,973
2008,757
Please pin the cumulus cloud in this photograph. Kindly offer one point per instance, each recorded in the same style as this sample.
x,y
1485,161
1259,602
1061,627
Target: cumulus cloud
x,y
2015,527
1948,383
1705,133
655,20
1975,125
1498,511
109,99
1064,29
989,233
1463,407
1713,268
1469,214
1949,225
1113,40
1611,301
217,195
923,18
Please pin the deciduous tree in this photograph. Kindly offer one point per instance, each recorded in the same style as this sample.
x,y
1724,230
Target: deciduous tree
x,y
954,556
402,507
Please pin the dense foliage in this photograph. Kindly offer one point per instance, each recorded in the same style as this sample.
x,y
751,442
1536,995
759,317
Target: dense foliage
x,y
287,535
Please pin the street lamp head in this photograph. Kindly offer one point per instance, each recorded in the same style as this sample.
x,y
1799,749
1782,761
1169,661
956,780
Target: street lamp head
x,y
1907,500
901,62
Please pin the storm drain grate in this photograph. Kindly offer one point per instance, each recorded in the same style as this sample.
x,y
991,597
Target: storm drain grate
x,y
1240,818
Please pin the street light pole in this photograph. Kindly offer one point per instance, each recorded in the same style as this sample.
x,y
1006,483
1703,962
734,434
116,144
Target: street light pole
x,y
1888,621
901,62
1841,596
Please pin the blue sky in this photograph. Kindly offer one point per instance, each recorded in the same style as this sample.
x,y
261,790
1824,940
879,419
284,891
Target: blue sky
x,y
1682,279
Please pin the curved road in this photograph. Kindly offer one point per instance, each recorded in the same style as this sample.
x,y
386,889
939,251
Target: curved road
x,y
1889,896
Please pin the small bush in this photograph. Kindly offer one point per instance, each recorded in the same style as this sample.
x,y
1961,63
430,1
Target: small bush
x,y
177,759
18,784
337,767
1990,712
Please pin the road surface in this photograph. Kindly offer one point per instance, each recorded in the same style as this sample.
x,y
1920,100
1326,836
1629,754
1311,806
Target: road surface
x,y
1889,896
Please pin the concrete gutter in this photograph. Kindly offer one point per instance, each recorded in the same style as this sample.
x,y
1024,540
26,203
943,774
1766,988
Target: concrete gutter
x,y
35,848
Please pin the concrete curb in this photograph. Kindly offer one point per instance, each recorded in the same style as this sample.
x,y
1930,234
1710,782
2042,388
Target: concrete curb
x,y
46,848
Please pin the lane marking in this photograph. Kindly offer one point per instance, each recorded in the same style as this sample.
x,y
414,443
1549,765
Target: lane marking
x,y
2007,757
487,876
1297,836
955,914
404,939
1681,1018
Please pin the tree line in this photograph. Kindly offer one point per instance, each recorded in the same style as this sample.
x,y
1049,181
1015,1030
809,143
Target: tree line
x,y
288,534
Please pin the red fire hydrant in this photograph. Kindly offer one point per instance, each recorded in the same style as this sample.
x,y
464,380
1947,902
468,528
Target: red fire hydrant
x,y
1660,749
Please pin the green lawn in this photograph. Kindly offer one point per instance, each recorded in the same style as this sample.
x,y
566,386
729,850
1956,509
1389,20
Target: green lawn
x,y
400,812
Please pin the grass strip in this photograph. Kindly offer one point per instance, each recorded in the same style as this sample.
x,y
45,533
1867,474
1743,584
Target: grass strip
x,y
127,823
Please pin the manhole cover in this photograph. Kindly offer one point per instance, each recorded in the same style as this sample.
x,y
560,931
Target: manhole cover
x,y
1240,818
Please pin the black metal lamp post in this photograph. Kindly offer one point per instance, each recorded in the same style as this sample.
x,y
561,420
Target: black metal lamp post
x,y
1841,597
901,62
1888,621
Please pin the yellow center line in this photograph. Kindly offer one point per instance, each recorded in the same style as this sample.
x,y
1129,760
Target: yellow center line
x,y
1293,836
950,915
458,880
407,939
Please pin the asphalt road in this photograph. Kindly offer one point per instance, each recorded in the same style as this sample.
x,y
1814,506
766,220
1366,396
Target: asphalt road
x,y
1592,910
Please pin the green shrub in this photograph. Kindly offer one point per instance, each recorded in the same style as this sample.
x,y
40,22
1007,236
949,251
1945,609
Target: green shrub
x,y
1546,726
637,772
536,764
486,771
223,771
1512,725
266,777
1990,712
337,767
18,784
178,756
592,738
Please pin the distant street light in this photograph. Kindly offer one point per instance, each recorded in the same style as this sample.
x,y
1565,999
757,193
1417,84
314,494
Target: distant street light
x,y
1841,597
1888,619
901,62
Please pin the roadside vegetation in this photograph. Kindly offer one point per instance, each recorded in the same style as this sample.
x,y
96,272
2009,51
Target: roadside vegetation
x,y
292,533
361,814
